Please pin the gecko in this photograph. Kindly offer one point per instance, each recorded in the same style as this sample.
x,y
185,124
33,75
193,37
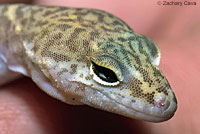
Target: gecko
x,y
85,56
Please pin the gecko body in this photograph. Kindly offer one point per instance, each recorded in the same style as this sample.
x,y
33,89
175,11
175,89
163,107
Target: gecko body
x,y
85,56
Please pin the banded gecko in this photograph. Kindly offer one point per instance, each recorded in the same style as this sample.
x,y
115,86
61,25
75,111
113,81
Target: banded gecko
x,y
85,56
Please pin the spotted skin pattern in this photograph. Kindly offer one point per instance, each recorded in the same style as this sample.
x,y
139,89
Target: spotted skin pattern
x,y
56,46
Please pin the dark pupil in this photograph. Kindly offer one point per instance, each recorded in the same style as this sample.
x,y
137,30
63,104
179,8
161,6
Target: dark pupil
x,y
104,73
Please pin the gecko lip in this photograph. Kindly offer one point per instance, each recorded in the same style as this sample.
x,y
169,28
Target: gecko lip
x,y
136,111
154,113
162,110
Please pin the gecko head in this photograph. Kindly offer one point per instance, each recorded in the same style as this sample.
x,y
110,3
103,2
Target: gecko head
x,y
124,80
131,84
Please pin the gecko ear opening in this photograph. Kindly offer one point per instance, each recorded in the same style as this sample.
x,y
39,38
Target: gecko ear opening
x,y
103,75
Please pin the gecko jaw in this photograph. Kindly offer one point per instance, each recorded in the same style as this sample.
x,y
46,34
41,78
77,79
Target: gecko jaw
x,y
136,111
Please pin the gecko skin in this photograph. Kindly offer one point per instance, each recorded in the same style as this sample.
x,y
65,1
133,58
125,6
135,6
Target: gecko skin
x,y
85,56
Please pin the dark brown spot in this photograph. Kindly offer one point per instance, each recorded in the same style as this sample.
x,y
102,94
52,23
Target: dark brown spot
x,y
35,11
117,23
81,75
19,12
74,68
48,12
162,90
109,30
80,13
99,14
41,23
24,21
57,36
66,20
94,35
136,58
121,39
62,71
63,27
88,78
64,14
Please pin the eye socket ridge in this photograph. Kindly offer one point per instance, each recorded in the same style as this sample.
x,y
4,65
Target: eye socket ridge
x,y
104,73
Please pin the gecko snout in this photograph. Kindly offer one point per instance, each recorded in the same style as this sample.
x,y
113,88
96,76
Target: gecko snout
x,y
160,101
165,105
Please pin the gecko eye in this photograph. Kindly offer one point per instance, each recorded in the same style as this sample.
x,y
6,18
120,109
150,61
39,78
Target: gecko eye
x,y
103,75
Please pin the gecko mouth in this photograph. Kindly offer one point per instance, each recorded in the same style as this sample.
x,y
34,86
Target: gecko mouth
x,y
136,110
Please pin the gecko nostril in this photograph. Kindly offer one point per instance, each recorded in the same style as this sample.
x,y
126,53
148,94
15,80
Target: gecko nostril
x,y
161,101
